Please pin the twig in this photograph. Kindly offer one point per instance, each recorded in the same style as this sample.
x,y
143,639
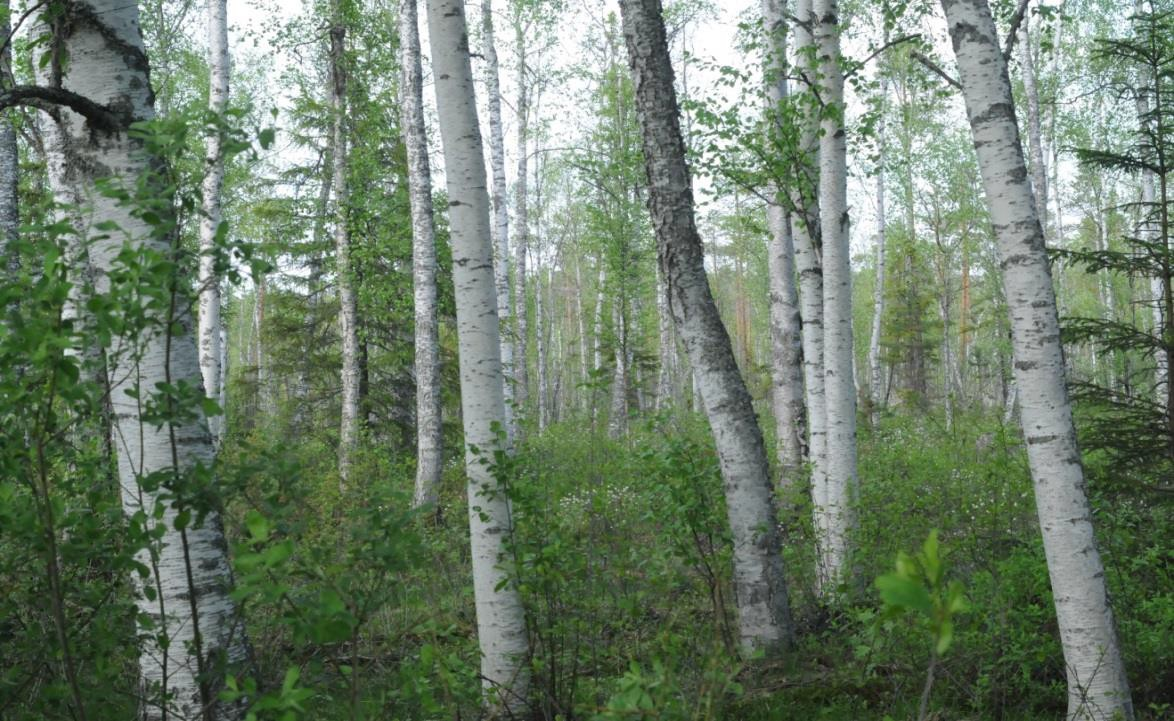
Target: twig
x,y
936,69
881,49
1013,32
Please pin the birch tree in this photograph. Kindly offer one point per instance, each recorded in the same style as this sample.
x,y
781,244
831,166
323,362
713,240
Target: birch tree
x,y
521,227
9,155
1097,685
209,277
805,233
501,627
501,213
429,442
194,625
875,370
348,434
839,383
760,588
785,324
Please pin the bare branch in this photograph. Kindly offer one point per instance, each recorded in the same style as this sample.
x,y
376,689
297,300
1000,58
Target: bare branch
x,y
936,69
878,51
1013,32
47,99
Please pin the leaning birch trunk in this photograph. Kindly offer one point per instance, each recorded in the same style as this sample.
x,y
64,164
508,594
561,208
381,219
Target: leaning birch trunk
x,y
348,433
189,577
1097,685
876,393
839,378
805,233
501,627
209,278
785,324
501,213
760,588
429,442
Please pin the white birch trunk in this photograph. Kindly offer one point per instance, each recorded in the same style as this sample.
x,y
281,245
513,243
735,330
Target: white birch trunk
x,y
501,213
597,337
541,351
429,441
805,228
760,588
501,627
9,158
666,377
1035,146
875,371
189,575
617,423
1097,685
785,324
839,378
348,434
521,239
209,278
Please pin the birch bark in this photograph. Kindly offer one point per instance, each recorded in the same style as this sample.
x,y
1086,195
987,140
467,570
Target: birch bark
x,y
785,323
501,213
1097,685
209,278
429,443
805,227
521,236
189,575
839,378
9,156
875,371
763,614
501,626
348,434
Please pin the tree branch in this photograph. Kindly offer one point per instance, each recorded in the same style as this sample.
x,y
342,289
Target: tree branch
x,y
1013,32
47,99
878,51
936,69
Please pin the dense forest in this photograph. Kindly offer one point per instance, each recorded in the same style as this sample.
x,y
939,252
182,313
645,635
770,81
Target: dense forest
x,y
598,360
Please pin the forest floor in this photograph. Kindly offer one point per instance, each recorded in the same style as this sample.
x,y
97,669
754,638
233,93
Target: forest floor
x,y
622,560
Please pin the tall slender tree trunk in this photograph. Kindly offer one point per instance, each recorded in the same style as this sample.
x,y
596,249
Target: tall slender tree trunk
x,y
1097,685
521,236
875,370
760,588
9,157
806,234
209,277
1035,146
597,336
785,323
348,315
617,422
189,577
581,318
501,626
839,378
429,442
501,213
666,377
